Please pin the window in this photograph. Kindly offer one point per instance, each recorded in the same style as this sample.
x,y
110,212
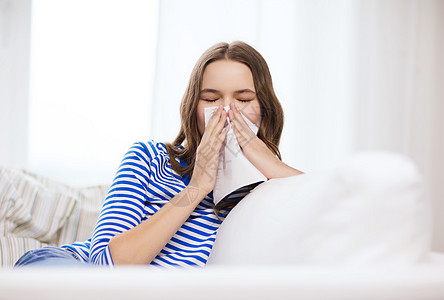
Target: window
x,y
92,63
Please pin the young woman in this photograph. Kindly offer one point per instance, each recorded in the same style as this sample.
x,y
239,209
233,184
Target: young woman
x,y
159,209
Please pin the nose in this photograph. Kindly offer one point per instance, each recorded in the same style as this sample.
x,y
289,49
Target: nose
x,y
227,101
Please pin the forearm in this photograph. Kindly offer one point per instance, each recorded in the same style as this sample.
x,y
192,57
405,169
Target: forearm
x,y
278,169
266,161
141,244
272,167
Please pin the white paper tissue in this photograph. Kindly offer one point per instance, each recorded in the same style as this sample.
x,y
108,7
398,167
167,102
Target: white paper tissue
x,y
234,170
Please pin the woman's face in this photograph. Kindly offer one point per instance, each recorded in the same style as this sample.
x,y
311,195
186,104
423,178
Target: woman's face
x,y
225,82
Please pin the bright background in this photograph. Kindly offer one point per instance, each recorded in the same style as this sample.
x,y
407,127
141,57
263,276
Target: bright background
x,y
81,80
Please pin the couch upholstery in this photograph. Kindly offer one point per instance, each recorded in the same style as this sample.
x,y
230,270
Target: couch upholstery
x,y
36,212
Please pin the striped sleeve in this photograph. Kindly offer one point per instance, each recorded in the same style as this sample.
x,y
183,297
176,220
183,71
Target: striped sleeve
x,y
124,205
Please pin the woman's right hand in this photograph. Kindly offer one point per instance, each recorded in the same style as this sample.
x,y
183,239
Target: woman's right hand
x,y
207,156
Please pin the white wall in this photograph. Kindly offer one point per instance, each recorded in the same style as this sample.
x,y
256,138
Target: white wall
x,y
15,27
399,88
307,45
436,163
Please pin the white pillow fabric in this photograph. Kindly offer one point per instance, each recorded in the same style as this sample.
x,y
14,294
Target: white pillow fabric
x,y
370,209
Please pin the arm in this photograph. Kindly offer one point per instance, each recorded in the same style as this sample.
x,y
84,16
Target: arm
x,y
141,243
120,236
255,149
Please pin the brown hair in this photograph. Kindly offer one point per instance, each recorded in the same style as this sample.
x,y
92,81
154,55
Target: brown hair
x,y
272,116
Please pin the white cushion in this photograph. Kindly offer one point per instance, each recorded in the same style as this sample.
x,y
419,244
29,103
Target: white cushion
x,y
370,209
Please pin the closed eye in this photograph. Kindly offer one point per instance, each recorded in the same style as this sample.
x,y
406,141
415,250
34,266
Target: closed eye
x,y
244,100
210,100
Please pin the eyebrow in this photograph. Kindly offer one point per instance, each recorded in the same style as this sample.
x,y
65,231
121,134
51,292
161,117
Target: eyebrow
x,y
218,92
244,91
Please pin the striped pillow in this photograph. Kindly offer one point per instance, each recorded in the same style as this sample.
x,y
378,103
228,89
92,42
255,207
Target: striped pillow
x,y
80,225
29,209
36,212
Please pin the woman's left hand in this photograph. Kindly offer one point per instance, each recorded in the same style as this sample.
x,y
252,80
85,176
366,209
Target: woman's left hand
x,y
255,150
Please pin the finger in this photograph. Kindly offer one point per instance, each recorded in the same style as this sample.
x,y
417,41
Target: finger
x,y
212,138
243,136
220,134
223,133
215,115
237,118
240,124
215,118
221,123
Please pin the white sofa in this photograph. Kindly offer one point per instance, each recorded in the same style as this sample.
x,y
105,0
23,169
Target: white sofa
x,y
360,230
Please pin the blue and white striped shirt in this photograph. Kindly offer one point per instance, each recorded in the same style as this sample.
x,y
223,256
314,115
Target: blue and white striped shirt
x,y
144,182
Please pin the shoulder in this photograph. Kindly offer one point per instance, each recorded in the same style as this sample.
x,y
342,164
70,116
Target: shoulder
x,y
149,149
